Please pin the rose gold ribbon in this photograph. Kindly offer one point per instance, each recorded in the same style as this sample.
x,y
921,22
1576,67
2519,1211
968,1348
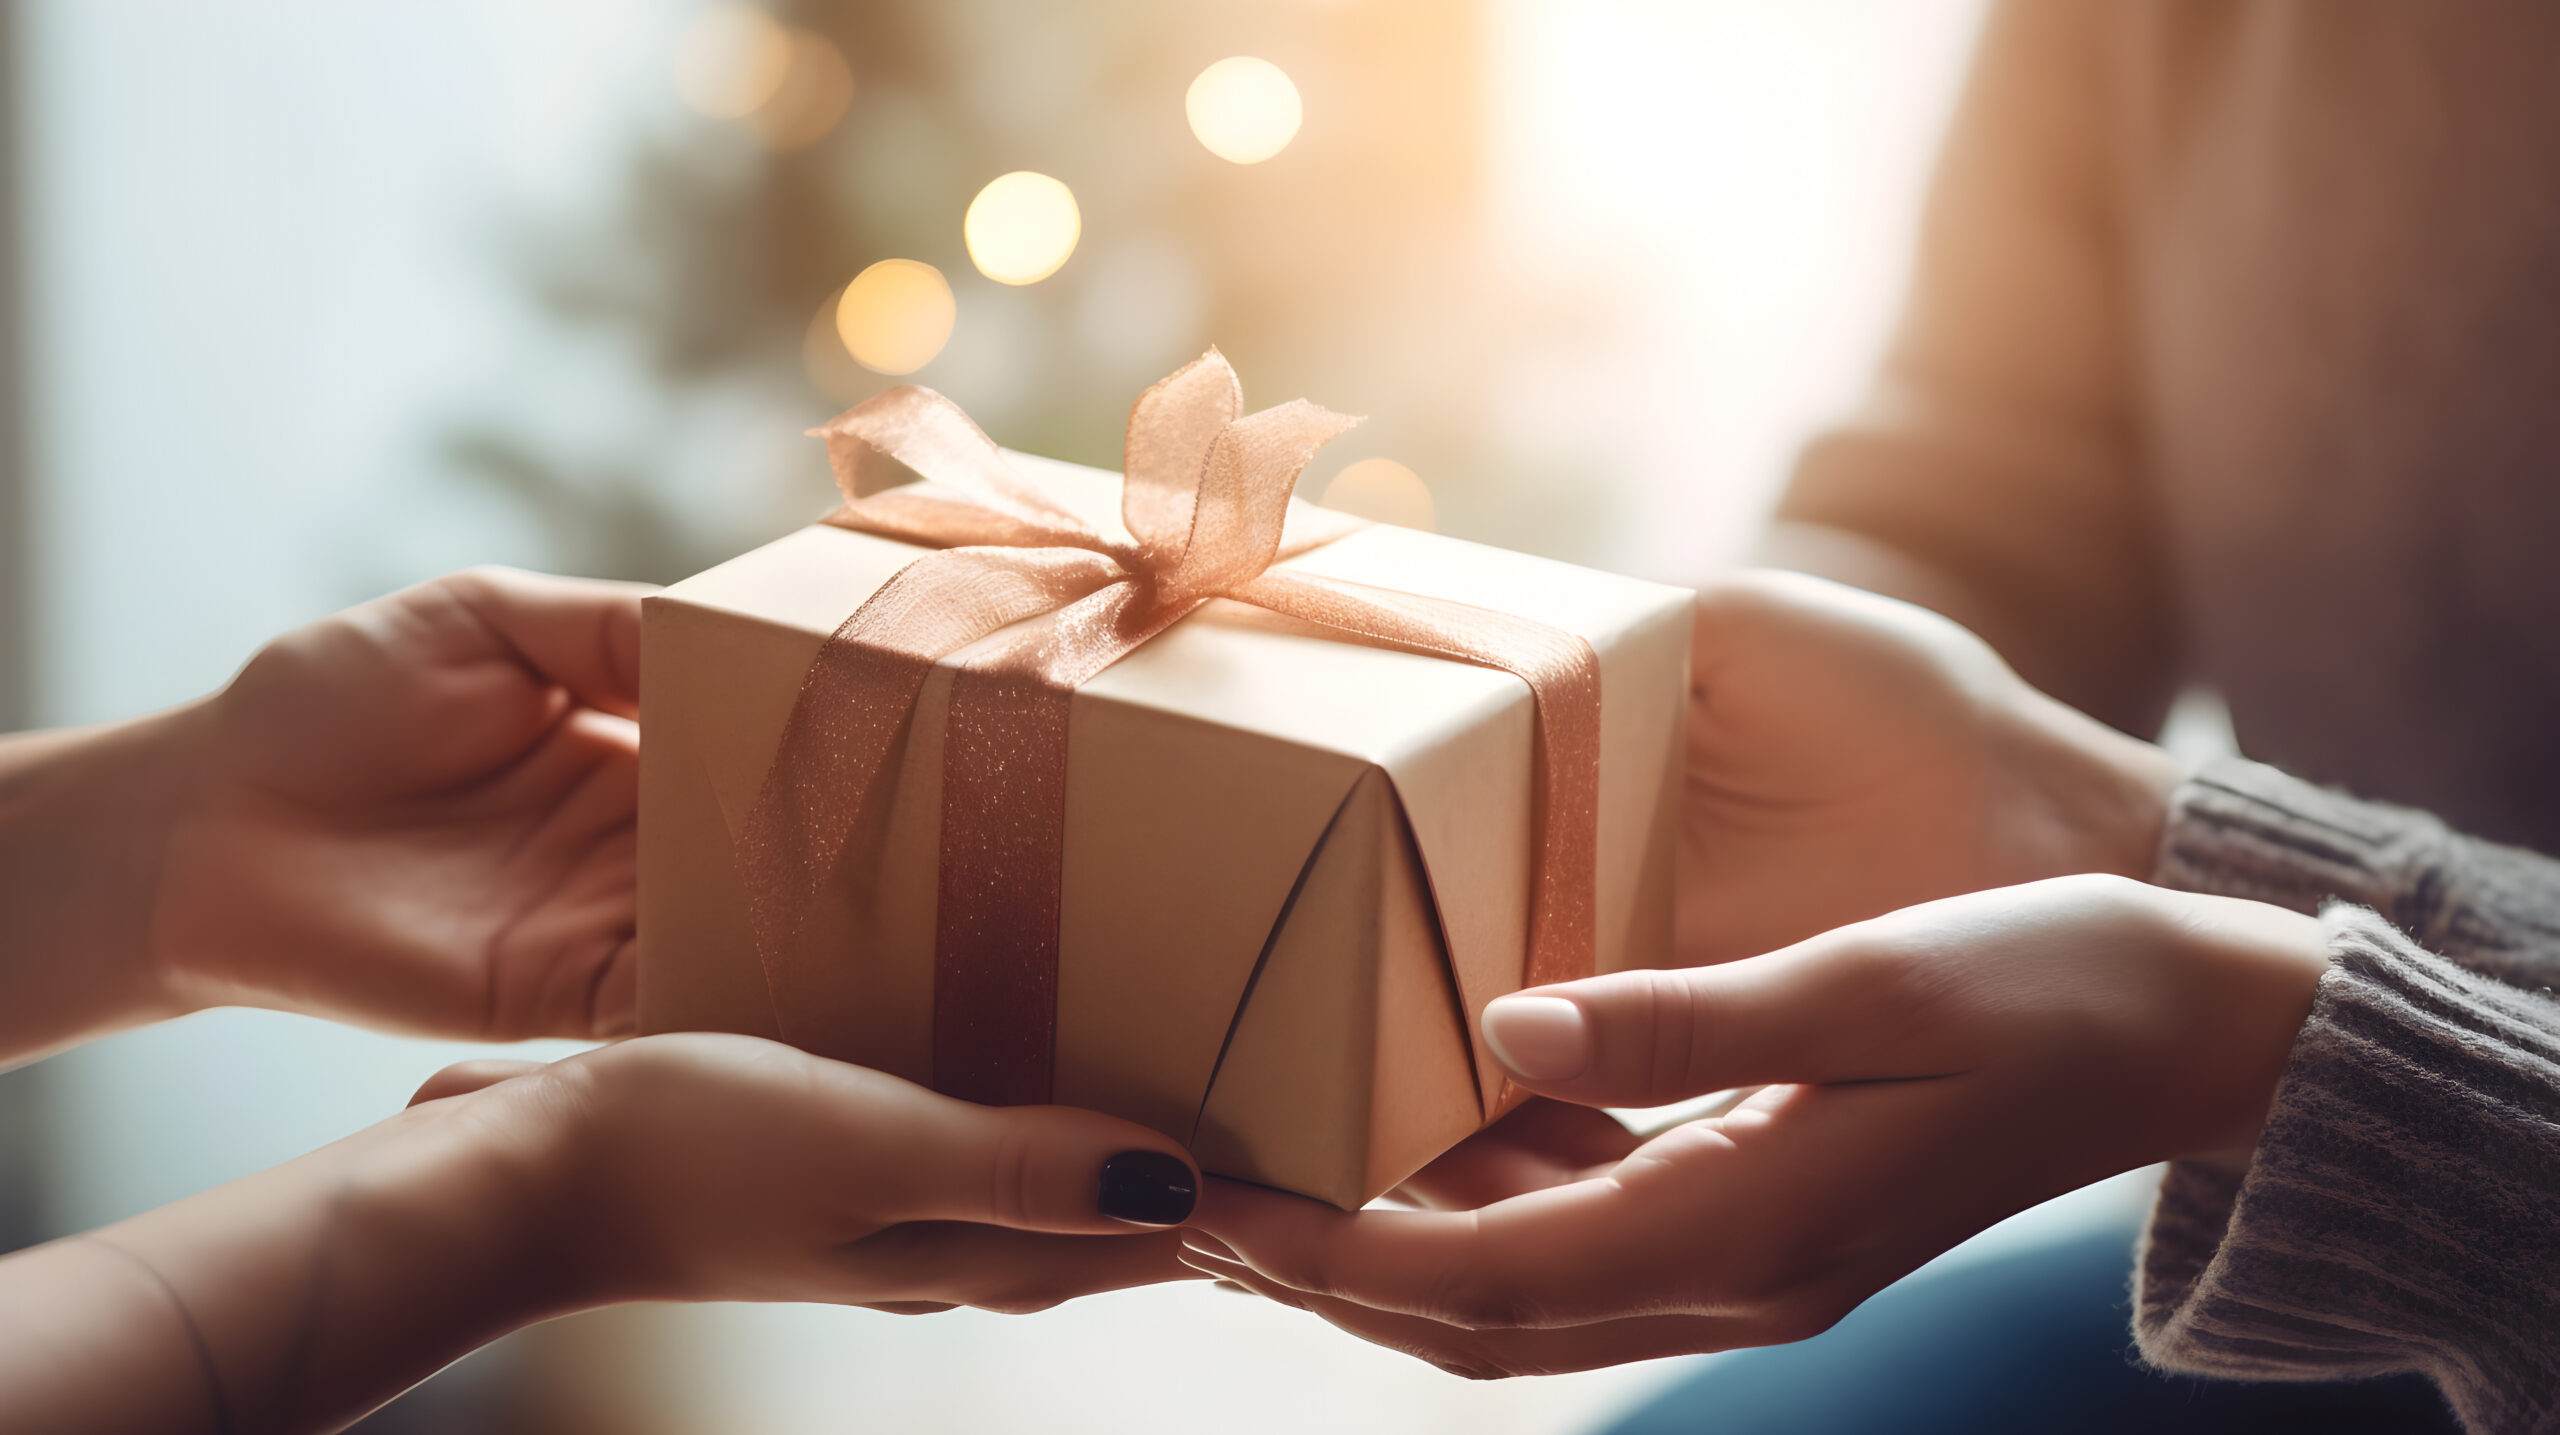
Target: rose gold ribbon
x,y
1206,500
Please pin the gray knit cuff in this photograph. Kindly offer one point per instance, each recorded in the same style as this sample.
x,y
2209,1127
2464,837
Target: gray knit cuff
x,y
2402,1209
2242,829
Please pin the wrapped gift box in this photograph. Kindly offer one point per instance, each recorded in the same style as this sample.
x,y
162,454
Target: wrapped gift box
x,y
1296,866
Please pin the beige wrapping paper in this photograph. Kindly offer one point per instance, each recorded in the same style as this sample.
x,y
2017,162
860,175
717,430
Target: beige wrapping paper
x,y
1296,866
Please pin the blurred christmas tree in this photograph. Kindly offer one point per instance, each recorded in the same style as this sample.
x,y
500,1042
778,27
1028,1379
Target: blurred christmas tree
x,y
825,137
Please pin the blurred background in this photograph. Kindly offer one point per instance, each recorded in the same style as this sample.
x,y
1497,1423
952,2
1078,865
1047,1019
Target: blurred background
x,y
308,301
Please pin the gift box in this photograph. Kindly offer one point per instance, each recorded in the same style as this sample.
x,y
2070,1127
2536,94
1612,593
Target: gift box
x,y
1259,879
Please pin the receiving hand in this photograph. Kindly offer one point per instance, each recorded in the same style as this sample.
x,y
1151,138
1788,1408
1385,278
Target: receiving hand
x,y
417,814
1945,1066
1849,755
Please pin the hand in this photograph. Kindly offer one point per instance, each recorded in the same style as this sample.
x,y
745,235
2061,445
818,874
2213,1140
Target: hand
x,y
692,1167
707,1167
1947,1065
418,814
1537,1144
1849,755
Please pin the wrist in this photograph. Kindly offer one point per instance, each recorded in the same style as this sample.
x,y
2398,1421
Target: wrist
x,y
495,1176
2257,970
2104,797
85,818
326,1285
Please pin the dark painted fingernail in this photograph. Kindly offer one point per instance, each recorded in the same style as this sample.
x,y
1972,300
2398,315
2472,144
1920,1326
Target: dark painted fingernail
x,y
1149,1187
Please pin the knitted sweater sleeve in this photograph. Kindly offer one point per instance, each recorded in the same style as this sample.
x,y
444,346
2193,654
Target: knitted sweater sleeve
x,y
2402,1208
2245,830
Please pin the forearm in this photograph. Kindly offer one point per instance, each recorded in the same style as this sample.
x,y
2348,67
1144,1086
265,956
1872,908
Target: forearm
x,y
83,817
294,1300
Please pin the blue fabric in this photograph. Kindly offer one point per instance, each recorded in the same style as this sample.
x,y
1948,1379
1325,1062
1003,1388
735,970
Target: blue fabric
x,y
2039,1341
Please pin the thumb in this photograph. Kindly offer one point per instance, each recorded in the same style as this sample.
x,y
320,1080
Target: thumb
x,y
926,1157
1647,1038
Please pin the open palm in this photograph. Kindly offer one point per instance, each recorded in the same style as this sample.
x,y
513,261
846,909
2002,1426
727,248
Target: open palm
x,y
419,814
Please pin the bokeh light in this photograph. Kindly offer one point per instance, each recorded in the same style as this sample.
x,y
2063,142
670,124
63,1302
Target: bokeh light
x,y
1382,491
789,85
816,87
1243,109
731,61
896,315
1021,227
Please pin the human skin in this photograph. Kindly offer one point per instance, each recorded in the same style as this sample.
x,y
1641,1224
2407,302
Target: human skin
x,y
1930,1069
687,1167
418,815
1849,755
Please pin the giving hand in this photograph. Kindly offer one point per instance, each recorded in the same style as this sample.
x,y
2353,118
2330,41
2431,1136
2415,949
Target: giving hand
x,y
698,1166
687,1167
1849,754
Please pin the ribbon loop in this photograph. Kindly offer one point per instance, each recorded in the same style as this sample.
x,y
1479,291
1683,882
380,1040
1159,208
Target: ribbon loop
x,y
1243,499
1206,498
1171,427
929,434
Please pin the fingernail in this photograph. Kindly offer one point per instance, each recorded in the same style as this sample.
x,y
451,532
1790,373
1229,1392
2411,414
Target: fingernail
x,y
1152,1188
1538,1038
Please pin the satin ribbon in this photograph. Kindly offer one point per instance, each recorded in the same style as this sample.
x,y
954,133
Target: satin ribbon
x,y
1206,500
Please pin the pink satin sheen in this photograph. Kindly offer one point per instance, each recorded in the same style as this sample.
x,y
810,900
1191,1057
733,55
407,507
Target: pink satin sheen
x,y
1206,500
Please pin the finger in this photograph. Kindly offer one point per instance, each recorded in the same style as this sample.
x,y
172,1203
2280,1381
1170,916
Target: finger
x,y
1780,1218
570,971
465,1077
583,772
580,633
1230,1272
912,1155
940,1264
566,966
1824,1010
1500,1354
1540,1144
569,965
1560,1256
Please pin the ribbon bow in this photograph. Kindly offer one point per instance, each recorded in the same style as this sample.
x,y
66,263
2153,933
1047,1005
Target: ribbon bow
x,y
1206,501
